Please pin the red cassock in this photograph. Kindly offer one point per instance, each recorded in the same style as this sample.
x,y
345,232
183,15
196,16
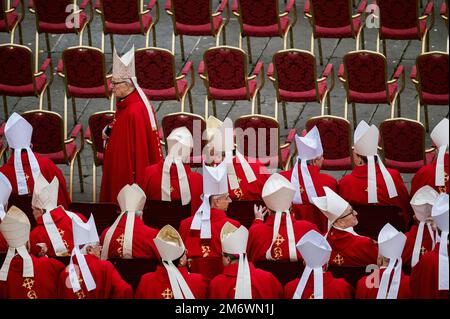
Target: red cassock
x,y
109,283
48,169
132,146
353,188
349,250
425,277
64,225
42,286
246,190
260,237
205,255
427,175
264,284
143,245
369,289
3,244
427,244
152,184
156,285
333,288
308,211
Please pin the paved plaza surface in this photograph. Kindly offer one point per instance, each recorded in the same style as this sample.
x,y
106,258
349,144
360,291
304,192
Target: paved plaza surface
x,y
398,52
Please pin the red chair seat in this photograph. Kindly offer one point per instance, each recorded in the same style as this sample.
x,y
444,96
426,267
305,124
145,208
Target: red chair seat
x,y
167,94
233,94
340,32
129,28
266,31
24,90
58,157
403,34
372,98
409,167
90,92
341,164
45,27
12,18
201,29
434,99
307,96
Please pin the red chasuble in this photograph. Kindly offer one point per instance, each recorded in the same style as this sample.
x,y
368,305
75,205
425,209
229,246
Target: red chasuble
x,y
427,244
132,146
205,255
367,287
64,225
143,245
3,244
425,277
350,250
333,288
48,170
260,238
427,176
308,211
353,188
42,286
264,284
109,283
152,184
156,285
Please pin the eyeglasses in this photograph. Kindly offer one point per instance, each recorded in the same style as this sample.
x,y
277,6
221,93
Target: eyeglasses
x,y
352,212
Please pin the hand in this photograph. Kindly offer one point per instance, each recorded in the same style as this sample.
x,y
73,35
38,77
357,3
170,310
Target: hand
x,y
44,249
260,212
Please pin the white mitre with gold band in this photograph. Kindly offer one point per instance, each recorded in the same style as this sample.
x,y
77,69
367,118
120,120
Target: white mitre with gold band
x,y
131,199
5,192
15,228
171,247
234,242
277,194
440,137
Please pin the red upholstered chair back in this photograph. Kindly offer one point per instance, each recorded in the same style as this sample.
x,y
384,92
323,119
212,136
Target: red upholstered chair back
x,y
283,271
53,11
104,213
432,71
331,13
226,67
295,70
365,71
155,68
121,12
84,67
97,123
16,64
261,13
192,12
158,213
399,14
335,134
350,274
403,140
48,131
131,270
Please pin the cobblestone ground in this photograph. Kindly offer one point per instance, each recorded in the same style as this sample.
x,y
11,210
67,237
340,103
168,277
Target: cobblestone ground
x,y
398,52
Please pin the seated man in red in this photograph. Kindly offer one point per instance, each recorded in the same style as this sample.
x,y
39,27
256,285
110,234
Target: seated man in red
x,y
430,277
418,240
371,182
5,191
129,237
52,235
316,252
436,173
240,279
245,179
308,180
172,179
24,166
87,276
349,248
171,280
201,233
394,283
22,275
274,239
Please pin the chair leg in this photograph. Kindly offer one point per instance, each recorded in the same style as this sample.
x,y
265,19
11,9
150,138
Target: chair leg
x,y
362,39
329,103
249,49
147,36
283,104
89,34
224,36
183,58
320,50
354,115
214,108
427,123
94,183
191,105
384,48
399,107
258,101
154,35
47,42
80,172
5,106
20,34
71,178
49,99
111,38
291,37
74,110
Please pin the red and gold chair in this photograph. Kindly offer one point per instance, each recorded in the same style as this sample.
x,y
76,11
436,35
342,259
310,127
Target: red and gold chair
x,y
158,213
2,146
294,75
11,18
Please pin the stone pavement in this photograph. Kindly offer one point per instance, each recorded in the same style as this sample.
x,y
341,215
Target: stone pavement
x,y
399,52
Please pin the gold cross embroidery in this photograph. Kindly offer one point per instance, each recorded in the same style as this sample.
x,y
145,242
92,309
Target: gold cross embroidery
x,y
423,250
172,189
80,294
167,294
312,296
238,193
338,260
302,190
278,253
120,241
32,294
27,177
28,283
279,240
205,250
442,189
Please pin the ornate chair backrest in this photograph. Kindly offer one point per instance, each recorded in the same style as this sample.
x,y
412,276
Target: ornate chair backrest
x,y
121,12
17,65
399,14
432,72
331,14
261,13
192,12
54,11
